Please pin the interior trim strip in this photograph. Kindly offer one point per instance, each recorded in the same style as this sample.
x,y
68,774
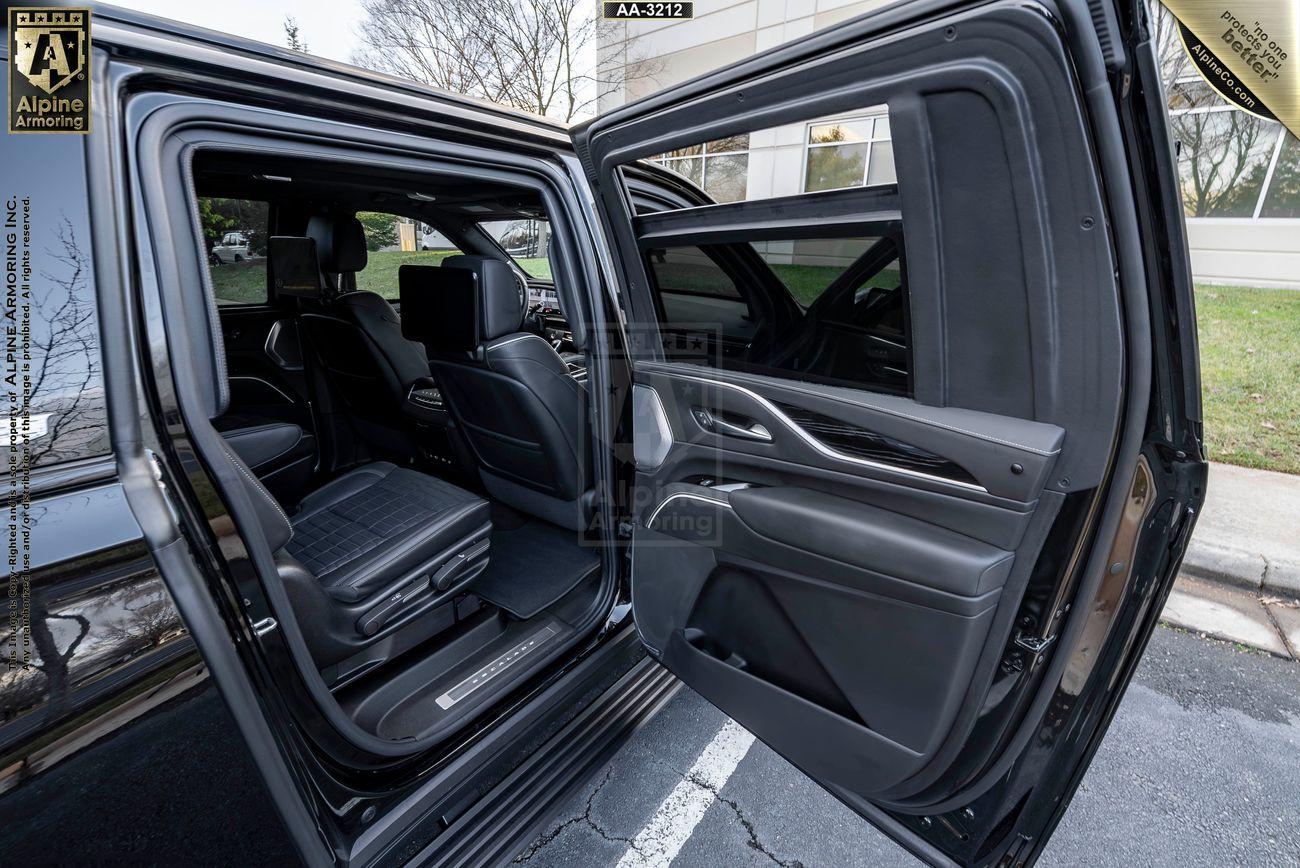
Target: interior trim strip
x,y
682,495
821,447
266,383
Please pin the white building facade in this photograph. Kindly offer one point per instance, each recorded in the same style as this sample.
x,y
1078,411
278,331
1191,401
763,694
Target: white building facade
x,y
1243,212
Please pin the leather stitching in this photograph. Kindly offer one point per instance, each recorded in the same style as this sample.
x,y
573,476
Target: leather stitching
x,y
257,486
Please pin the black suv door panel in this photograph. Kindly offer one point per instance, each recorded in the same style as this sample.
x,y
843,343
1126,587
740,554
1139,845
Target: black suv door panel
x,y
861,589
882,586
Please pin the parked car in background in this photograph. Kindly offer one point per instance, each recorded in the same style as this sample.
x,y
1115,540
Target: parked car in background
x,y
233,247
432,239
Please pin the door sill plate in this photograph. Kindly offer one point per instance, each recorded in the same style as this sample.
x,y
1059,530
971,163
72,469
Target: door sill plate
x,y
503,662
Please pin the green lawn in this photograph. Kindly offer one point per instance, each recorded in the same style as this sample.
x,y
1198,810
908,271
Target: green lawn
x,y
1250,375
240,282
380,273
245,282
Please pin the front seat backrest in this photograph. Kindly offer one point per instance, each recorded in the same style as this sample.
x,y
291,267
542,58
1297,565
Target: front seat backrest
x,y
523,415
356,335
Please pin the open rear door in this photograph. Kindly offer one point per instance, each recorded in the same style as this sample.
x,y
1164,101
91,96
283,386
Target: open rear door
x,y
916,431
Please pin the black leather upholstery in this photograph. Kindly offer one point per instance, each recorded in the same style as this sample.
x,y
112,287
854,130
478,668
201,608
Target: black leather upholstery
x,y
340,242
280,454
357,336
271,517
358,540
523,416
263,444
369,559
373,525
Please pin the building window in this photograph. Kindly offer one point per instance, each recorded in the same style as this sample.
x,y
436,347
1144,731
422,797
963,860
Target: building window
x,y
1230,163
720,168
850,152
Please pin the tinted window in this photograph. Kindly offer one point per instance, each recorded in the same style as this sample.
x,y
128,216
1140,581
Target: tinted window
x,y
235,232
54,391
527,243
832,310
690,271
391,241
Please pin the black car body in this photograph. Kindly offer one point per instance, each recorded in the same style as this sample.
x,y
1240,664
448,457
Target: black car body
x,y
914,534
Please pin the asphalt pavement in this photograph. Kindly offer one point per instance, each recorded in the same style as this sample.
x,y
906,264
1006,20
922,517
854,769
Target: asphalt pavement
x,y
1201,767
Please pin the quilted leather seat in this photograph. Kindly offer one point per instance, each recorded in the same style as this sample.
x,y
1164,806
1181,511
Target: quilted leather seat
x,y
376,524
369,559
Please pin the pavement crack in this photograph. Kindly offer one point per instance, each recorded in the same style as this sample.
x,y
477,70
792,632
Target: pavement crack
x,y
581,819
1281,634
753,843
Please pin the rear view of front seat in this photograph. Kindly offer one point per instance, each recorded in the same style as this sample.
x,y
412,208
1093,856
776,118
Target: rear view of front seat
x,y
523,415
356,335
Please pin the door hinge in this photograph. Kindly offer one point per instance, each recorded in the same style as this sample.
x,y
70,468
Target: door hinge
x,y
1035,645
1031,647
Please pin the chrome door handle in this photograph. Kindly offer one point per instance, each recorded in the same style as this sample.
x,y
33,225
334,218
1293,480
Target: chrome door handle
x,y
747,429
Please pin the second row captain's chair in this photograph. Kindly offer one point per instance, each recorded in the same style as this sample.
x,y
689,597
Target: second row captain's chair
x,y
523,415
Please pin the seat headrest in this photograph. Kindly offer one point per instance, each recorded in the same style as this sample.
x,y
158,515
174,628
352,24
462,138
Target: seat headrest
x,y
294,267
440,307
501,301
340,242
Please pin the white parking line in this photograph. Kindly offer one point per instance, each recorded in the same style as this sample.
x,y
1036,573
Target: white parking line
x,y
658,843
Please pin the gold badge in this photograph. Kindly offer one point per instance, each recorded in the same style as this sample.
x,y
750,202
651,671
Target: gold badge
x,y
1246,50
49,70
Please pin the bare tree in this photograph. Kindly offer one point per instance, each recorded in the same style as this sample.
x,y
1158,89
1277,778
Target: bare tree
x,y
1170,54
292,38
66,378
523,53
1222,153
1219,151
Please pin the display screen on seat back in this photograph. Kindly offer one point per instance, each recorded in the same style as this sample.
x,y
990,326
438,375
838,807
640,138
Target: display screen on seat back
x,y
439,307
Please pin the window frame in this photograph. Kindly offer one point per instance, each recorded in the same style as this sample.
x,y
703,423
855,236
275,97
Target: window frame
x,y
872,114
1220,107
704,157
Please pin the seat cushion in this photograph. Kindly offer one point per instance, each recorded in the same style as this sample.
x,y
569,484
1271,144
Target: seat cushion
x,y
375,524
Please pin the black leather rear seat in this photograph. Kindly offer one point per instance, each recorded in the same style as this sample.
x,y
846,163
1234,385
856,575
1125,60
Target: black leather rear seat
x,y
367,558
376,524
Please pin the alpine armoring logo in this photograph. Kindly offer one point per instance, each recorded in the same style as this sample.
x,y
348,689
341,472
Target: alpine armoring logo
x,y
49,70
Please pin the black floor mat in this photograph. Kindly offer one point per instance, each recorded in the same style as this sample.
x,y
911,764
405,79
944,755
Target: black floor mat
x,y
532,566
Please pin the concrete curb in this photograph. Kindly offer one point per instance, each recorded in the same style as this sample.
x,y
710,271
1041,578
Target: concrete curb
x,y
1222,564
1221,611
1240,568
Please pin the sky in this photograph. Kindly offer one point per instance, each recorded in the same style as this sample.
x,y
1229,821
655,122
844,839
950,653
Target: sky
x,y
328,26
